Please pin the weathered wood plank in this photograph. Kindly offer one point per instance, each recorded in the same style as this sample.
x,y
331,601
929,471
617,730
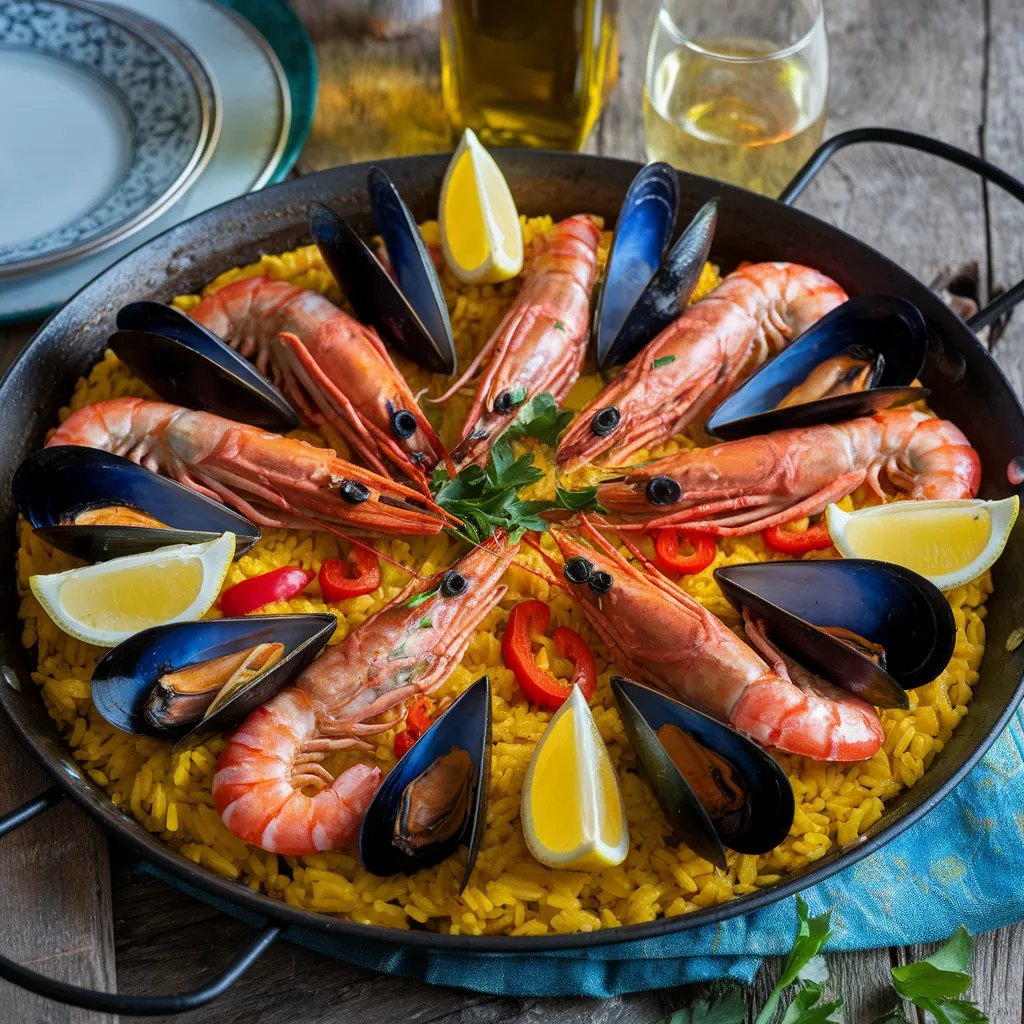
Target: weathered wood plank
x,y
55,905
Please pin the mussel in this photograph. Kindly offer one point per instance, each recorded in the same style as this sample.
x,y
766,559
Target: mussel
x,y
170,681
188,365
859,359
716,787
97,506
642,293
435,798
872,628
411,315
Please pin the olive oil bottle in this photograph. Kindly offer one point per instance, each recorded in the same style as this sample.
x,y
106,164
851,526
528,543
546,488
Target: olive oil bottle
x,y
529,72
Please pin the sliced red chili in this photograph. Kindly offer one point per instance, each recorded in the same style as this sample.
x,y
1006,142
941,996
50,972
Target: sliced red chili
x,y
539,685
338,580
668,558
791,542
276,585
418,720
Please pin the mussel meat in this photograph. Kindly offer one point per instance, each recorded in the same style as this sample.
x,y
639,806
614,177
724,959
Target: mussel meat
x,y
170,681
872,628
855,369
96,506
188,365
435,798
859,359
642,292
716,788
434,805
192,694
375,297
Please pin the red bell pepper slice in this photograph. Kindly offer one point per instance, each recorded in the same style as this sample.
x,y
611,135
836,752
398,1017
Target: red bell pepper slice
x,y
277,585
667,556
540,686
417,722
338,580
790,542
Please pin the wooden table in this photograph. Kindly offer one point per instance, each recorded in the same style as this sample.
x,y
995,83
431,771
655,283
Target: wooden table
x,y
949,68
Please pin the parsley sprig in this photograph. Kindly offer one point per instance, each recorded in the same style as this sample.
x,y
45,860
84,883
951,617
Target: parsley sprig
x,y
936,985
541,418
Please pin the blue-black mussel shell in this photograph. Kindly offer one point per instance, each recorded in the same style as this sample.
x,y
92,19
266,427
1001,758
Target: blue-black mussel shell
x,y
55,484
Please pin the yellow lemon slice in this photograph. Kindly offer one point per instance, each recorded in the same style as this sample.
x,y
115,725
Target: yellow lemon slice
x,y
106,603
949,542
572,811
481,236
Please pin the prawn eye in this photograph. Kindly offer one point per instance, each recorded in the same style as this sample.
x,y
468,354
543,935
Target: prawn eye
x,y
577,569
508,400
354,493
605,421
663,490
403,424
601,582
453,583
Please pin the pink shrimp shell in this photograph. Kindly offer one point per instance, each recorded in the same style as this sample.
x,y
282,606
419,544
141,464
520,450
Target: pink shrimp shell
x,y
256,800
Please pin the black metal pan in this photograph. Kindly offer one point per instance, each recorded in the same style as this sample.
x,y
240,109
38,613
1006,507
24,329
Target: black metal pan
x,y
966,385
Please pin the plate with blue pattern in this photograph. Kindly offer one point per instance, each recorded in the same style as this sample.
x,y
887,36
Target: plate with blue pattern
x,y
105,125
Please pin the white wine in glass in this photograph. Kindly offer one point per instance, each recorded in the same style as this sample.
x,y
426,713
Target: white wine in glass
x,y
730,104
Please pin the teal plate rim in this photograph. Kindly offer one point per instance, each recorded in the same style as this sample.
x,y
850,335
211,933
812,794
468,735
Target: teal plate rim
x,y
287,37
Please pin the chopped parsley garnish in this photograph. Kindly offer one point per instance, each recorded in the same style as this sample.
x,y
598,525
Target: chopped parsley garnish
x,y
662,361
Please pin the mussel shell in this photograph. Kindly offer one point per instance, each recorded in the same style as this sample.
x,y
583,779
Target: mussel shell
x,y
126,675
885,324
186,364
411,263
53,485
643,312
770,806
466,724
883,603
374,296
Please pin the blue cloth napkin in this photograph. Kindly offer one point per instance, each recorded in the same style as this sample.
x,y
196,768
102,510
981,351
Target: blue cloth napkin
x,y
961,864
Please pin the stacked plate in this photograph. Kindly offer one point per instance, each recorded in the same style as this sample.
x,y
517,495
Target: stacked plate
x,y
123,118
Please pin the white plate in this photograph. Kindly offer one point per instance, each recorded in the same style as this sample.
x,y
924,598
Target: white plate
x,y
105,123
255,103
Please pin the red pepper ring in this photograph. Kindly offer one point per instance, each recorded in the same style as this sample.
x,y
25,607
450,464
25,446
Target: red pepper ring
x,y
666,551
277,585
540,686
338,582
790,542
417,721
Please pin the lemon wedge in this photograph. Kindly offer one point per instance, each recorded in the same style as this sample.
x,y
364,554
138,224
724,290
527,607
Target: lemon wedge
x,y
481,237
106,603
948,542
572,811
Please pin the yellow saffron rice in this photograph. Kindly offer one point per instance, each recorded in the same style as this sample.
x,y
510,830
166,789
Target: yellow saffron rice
x,y
509,892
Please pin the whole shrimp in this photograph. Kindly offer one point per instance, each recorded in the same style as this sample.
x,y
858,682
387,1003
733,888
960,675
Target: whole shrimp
x,y
277,752
270,479
660,634
697,360
740,487
332,368
541,342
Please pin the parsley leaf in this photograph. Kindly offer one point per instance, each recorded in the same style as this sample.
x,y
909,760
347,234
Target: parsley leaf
x,y
488,499
725,1007
517,394
662,361
811,935
425,623
417,599
540,418
577,501
937,983
807,1007
559,326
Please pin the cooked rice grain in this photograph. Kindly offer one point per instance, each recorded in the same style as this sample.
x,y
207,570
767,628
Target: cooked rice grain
x,y
169,793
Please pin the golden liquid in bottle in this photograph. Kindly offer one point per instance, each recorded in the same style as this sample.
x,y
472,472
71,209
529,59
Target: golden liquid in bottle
x,y
752,124
529,72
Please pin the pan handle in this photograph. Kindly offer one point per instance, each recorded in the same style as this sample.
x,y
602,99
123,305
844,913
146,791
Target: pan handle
x,y
113,1002
911,140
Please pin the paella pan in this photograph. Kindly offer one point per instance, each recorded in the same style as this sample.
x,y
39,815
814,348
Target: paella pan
x,y
750,231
